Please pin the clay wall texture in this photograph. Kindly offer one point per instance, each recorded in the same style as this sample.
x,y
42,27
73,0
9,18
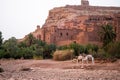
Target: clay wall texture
x,y
79,24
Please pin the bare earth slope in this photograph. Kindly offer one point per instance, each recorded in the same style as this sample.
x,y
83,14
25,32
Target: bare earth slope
x,y
58,70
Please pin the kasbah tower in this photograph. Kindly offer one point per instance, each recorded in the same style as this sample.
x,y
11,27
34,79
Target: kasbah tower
x,y
77,23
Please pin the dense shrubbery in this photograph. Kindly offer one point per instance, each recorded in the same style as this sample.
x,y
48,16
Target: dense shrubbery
x,y
63,47
101,54
79,49
2,53
110,51
92,47
32,48
28,49
113,49
62,55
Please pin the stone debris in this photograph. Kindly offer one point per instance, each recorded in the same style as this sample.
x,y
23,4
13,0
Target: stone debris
x,y
56,72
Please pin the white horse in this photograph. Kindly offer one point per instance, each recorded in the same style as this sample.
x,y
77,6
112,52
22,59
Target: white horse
x,y
85,58
80,58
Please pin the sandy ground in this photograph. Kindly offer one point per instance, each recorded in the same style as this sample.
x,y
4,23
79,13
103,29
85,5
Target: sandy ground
x,y
58,70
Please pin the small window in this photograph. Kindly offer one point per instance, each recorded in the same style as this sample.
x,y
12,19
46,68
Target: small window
x,y
66,34
60,34
74,42
54,38
39,36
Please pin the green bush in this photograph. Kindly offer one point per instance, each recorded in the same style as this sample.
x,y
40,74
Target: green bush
x,y
37,57
63,47
49,50
62,55
113,49
1,53
101,54
17,56
27,53
91,47
10,48
77,48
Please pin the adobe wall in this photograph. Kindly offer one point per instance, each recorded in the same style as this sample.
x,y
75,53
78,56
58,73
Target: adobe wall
x,y
55,35
86,30
117,25
92,8
94,24
79,24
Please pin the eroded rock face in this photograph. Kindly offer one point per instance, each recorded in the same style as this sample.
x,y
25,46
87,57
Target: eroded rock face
x,y
79,24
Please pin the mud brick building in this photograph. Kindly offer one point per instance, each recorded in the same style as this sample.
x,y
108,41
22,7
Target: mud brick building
x,y
78,23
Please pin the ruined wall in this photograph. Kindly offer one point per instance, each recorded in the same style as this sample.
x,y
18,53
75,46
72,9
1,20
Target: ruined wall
x,y
37,33
79,24
117,25
57,36
84,2
82,30
94,24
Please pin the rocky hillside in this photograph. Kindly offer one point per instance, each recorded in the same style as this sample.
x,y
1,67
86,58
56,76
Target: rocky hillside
x,y
63,17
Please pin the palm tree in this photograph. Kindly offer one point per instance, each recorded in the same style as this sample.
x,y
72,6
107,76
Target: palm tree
x,y
107,34
30,40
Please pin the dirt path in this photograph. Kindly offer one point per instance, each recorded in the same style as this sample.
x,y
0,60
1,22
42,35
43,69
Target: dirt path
x,y
57,70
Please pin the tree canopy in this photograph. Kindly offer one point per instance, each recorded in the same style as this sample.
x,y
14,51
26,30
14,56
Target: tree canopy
x,y
107,34
1,39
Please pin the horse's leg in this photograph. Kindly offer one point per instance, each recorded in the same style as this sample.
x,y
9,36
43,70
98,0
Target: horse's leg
x,y
77,61
92,60
82,63
87,60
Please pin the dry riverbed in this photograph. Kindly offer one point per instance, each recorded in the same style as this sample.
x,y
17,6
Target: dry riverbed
x,y
58,70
